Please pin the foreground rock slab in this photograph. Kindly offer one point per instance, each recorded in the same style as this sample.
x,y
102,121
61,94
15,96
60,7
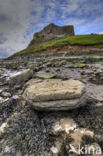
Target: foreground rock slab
x,y
55,94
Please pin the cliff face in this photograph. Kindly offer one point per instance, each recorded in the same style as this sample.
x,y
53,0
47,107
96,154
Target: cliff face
x,y
52,31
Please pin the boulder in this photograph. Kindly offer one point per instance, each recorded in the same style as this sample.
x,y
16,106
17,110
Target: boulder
x,y
5,94
21,77
55,94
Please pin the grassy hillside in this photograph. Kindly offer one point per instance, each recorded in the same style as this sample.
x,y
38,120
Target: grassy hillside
x,y
95,39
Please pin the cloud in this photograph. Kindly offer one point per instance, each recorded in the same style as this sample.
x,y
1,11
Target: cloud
x,y
101,32
85,15
4,53
2,39
14,23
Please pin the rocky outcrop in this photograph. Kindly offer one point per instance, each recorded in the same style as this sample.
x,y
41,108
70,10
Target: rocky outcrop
x,y
52,31
55,94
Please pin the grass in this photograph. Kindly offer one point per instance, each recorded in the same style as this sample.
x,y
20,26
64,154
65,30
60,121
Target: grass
x,y
77,63
95,39
98,63
69,63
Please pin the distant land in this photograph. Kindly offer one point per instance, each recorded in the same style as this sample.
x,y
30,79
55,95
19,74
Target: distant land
x,y
54,39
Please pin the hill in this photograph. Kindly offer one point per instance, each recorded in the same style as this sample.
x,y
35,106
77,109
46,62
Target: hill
x,y
53,39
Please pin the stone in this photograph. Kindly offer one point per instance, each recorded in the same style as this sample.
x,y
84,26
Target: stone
x,y
2,100
82,72
82,65
49,64
55,94
45,75
64,125
21,77
63,62
1,91
57,69
6,94
68,124
3,126
98,72
54,150
17,87
47,70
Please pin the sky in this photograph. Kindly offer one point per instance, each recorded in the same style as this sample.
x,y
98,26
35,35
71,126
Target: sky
x,y
20,19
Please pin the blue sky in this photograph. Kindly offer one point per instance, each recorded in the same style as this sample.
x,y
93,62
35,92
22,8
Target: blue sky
x,y
19,19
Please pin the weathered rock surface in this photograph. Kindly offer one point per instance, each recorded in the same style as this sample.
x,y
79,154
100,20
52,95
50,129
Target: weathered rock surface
x,y
52,31
45,75
64,125
5,94
55,94
21,77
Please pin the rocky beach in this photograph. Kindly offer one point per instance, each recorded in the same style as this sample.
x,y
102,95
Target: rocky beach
x,y
48,103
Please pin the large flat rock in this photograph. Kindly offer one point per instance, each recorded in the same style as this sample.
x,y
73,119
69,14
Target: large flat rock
x,y
55,94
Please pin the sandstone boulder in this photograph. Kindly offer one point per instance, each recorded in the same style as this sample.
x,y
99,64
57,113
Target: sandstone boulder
x,y
21,77
55,94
